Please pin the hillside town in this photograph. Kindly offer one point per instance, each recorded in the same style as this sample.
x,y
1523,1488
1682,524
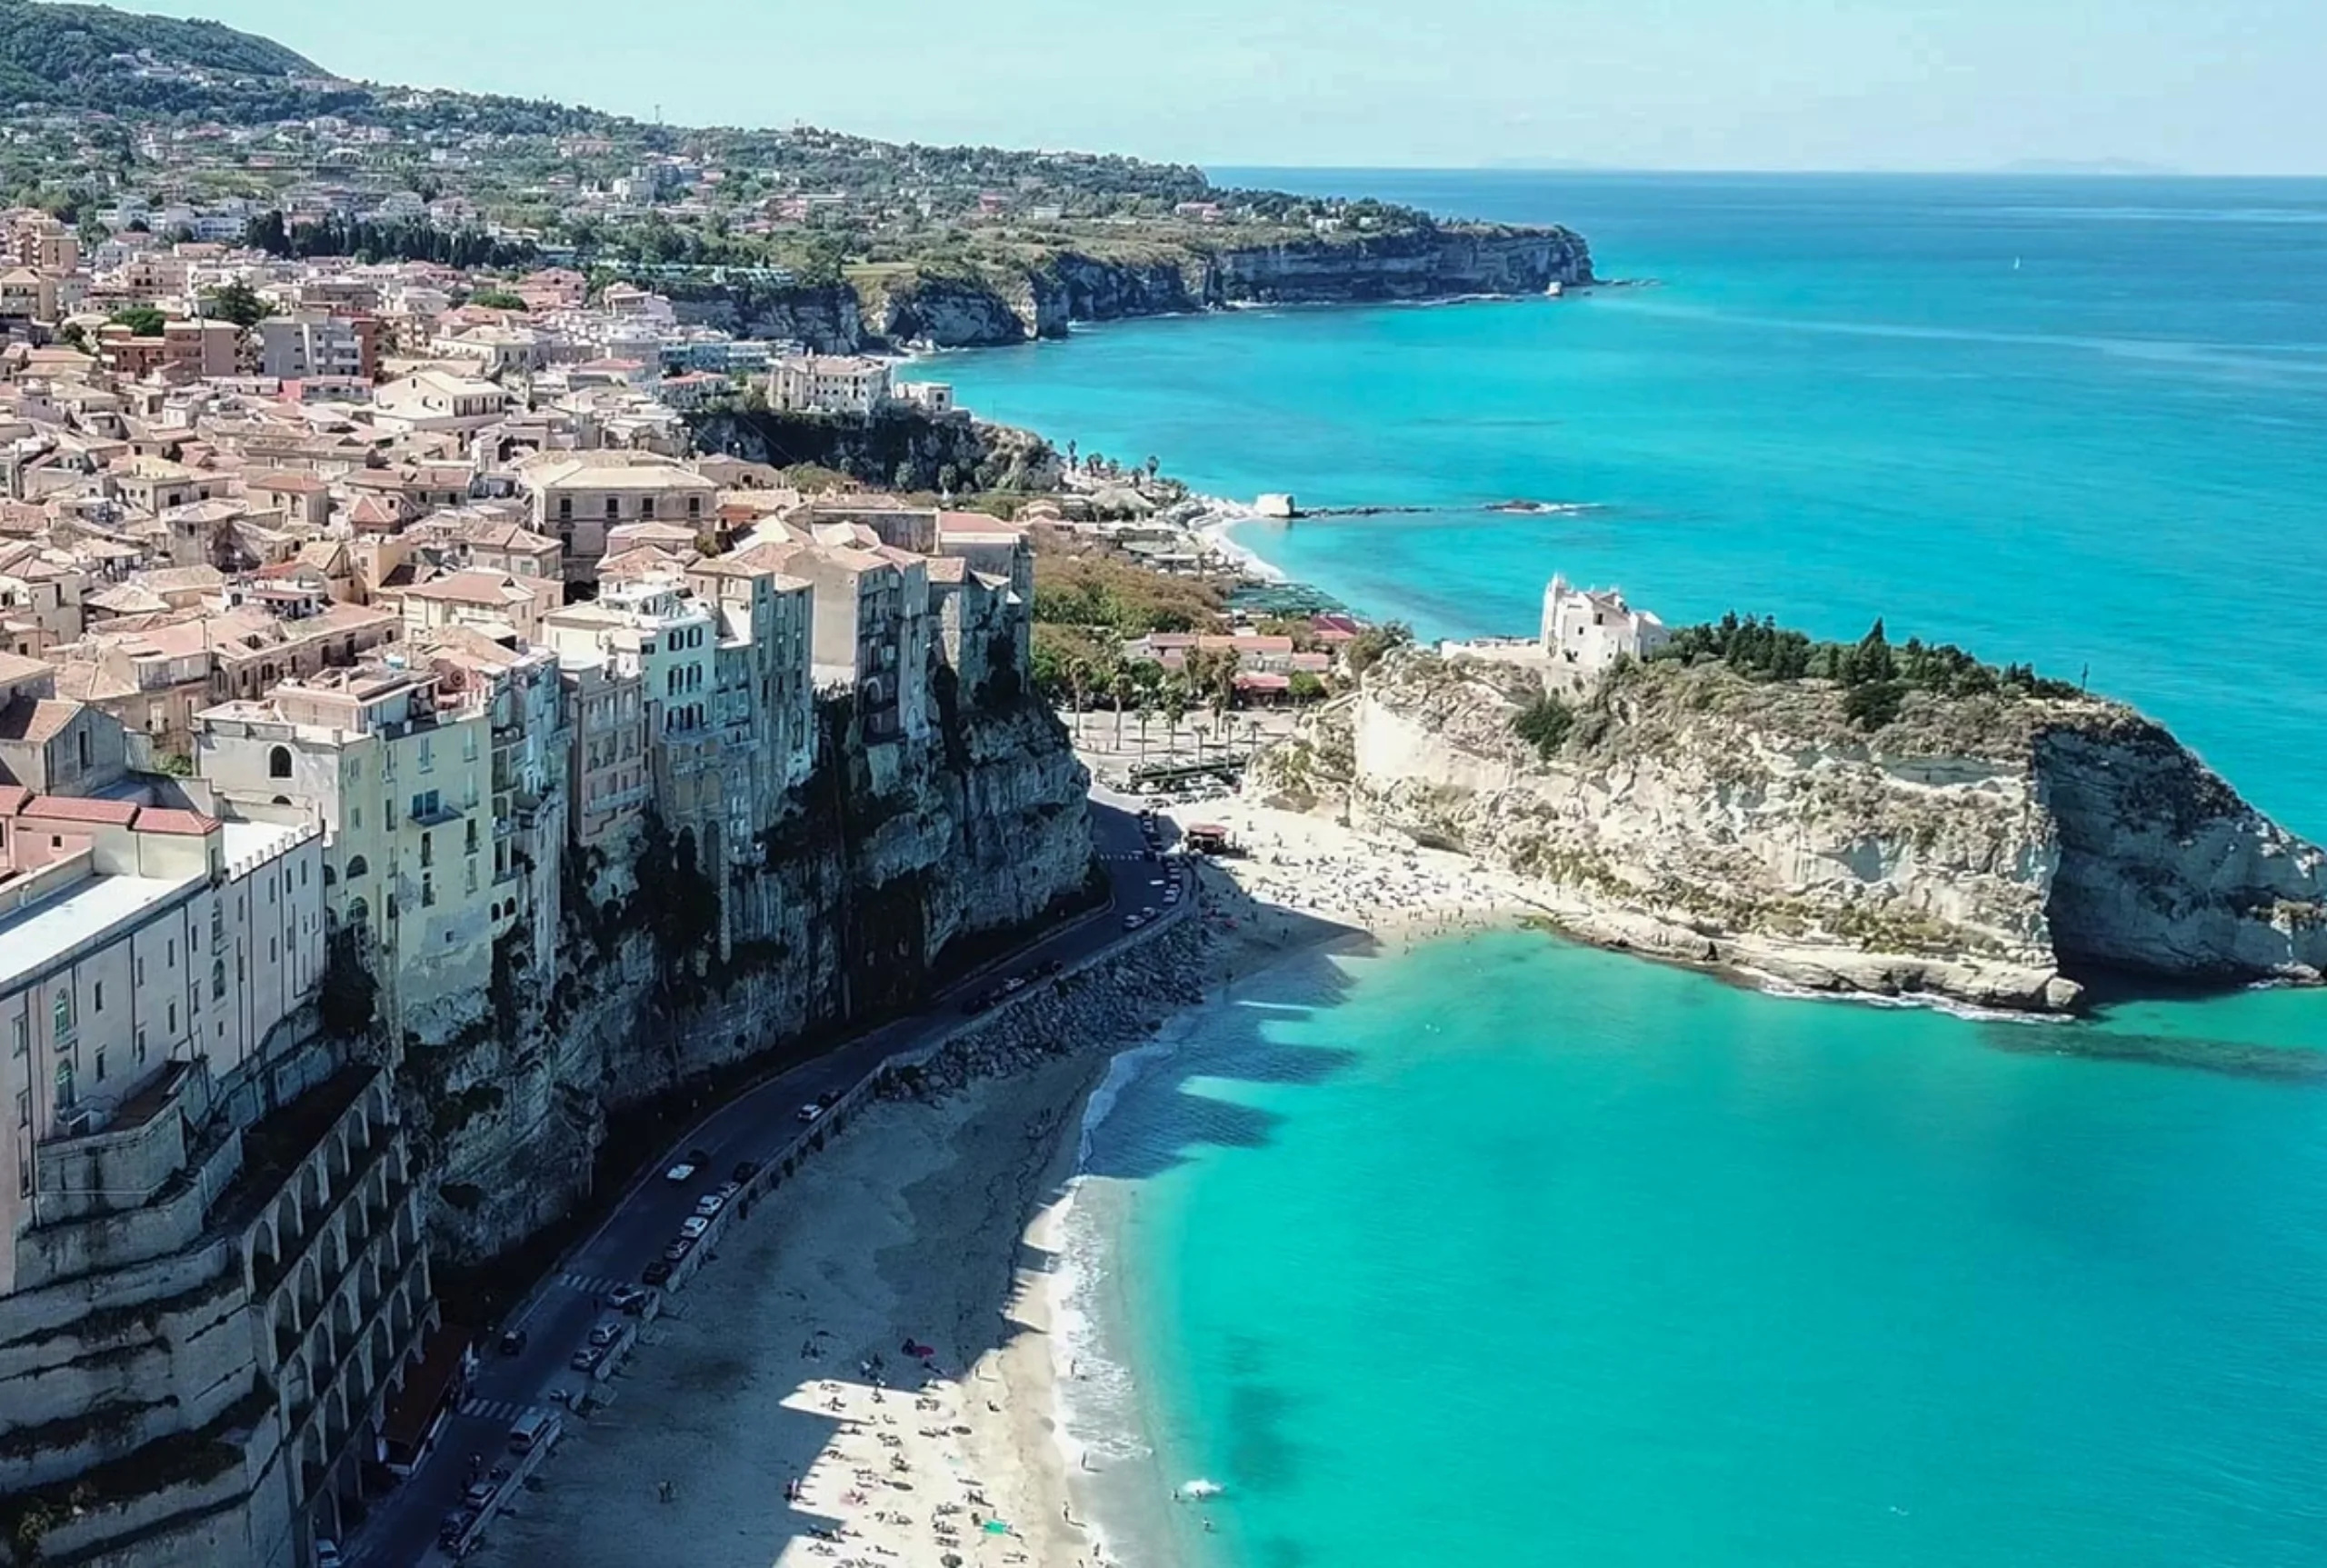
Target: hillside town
x,y
341,650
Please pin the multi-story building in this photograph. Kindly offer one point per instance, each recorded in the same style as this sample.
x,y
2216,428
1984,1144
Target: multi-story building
x,y
202,348
178,1145
307,344
829,384
576,498
609,778
870,630
764,696
397,771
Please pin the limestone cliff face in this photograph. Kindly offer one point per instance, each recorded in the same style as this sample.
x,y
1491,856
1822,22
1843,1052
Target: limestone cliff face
x,y
825,317
1974,847
883,862
1000,305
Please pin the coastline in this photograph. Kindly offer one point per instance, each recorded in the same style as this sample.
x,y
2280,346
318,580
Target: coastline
x,y
939,1218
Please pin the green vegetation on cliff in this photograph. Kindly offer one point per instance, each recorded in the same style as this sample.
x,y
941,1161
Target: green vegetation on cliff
x,y
1876,675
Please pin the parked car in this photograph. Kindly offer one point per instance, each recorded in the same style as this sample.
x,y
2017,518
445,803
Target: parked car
x,y
479,1494
452,1526
587,1358
694,1225
709,1204
656,1272
327,1554
527,1430
605,1334
746,1169
629,1299
828,1099
513,1343
680,1247
698,1158
809,1113
680,1173
1133,921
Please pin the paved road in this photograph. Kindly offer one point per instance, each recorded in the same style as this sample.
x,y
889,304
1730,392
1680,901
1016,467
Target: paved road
x,y
759,1126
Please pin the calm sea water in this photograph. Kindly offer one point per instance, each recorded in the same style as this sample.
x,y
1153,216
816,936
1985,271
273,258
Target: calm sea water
x,y
1507,1252
1841,401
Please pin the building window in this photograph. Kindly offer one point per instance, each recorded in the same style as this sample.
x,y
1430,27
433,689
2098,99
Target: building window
x,y
99,1074
566,508
356,867
427,841
24,1039
23,1107
139,970
427,755
141,1047
614,507
64,1093
170,953
98,997
217,978
174,1018
427,889
278,763
61,1016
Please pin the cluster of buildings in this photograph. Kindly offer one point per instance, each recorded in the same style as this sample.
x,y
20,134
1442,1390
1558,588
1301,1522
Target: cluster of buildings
x,y
315,686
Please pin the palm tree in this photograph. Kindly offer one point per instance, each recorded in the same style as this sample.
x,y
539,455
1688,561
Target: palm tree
x,y
1121,687
1175,708
1078,682
1144,717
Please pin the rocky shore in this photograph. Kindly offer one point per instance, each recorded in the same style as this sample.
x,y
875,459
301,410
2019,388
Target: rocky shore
x,y
1985,850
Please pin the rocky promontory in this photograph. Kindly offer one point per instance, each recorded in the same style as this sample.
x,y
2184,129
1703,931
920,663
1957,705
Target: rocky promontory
x,y
993,301
1991,848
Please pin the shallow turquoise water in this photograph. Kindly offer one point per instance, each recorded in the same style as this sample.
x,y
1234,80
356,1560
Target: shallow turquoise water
x,y
1512,1251
1506,1251
1840,402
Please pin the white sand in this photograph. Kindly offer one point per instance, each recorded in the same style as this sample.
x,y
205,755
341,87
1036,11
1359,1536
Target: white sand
x,y
929,1222
908,1224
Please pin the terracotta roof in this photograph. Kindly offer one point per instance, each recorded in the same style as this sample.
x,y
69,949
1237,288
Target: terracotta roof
x,y
36,719
73,808
169,820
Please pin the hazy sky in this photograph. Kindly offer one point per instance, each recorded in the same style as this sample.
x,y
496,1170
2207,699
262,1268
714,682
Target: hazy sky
x,y
2198,86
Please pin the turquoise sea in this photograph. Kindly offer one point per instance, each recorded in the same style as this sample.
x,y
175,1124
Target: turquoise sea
x,y
1503,1251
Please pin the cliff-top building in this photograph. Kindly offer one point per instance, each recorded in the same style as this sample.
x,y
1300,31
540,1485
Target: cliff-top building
x,y
1587,629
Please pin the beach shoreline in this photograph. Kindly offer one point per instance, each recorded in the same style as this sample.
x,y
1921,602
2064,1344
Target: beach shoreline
x,y
932,1220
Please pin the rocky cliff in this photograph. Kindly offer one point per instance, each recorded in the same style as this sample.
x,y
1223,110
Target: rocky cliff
x,y
989,302
889,866
1985,848
900,448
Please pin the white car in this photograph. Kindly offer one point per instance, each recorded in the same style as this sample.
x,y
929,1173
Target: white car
x,y
682,1172
810,1112
327,1554
710,1204
692,1226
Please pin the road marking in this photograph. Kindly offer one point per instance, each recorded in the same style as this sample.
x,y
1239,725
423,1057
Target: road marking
x,y
590,1284
493,1409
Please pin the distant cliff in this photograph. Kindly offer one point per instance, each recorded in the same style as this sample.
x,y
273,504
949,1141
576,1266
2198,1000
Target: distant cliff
x,y
987,304
1987,848
890,865
900,448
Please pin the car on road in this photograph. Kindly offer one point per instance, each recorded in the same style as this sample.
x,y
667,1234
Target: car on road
x,y
1014,984
587,1358
680,1173
479,1494
656,1272
527,1430
631,1299
1133,921
828,1099
1147,912
710,1204
454,1526
746,1169
605,1334
327,1554
810,1112
680,1247
1048,967
694,1225
513,1343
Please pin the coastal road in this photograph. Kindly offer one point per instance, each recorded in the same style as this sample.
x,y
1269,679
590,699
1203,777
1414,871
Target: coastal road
x,y
761,1125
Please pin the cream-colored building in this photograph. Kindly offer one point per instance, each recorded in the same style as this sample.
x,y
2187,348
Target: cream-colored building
x,y
1586,631
576,499
829,384
440,399
398,774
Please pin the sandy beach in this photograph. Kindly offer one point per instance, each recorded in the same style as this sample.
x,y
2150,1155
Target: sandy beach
x,y
775,1415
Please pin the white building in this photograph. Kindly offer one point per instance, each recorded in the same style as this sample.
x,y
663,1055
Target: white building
x,y
828,383
1587,629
